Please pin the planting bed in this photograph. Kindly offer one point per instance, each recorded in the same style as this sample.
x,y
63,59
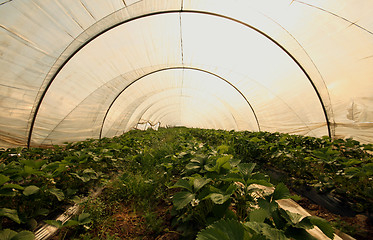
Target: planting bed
x,y
181,183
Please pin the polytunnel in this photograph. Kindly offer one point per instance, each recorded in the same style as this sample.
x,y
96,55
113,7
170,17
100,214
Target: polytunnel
x,y
77,69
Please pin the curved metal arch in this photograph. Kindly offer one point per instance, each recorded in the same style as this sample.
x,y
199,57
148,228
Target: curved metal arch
x,y
178,68
334,14
166,12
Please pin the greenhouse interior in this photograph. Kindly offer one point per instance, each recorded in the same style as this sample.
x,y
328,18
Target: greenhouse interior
x,y
193,119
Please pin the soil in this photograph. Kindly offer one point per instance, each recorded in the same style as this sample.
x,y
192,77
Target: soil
x,y
356,225
130,225
359,226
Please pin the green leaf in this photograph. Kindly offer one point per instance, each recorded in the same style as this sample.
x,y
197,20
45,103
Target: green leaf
x,y
51,166
291,217
258,237
279,221
3,179
219,198
368,168
232,177
234,162
221,210
259,215
281,192
200,159
299,233
24,235
71,191
305,223
58,193
324,226
56,223
221,163
224,230
62,167
29,170
265,230
32,223
29,190
76,199
33,163
269,206
351,162
222,149
260,176
10,213
85,178
259,182
183,183
296,197
255,139
42,212
7,234
198,183
12,185
7,192
89,170
70,223
230,190
273,233
246,168
84,218
368,147
181,199
192,166
351,171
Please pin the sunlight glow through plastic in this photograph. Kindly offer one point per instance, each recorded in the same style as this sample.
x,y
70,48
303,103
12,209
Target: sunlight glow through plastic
x,y
72,70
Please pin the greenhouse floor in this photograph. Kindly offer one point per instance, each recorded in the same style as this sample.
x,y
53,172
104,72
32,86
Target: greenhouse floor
x,y
48,231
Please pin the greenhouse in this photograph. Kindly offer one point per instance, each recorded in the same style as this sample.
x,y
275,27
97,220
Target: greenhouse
x,y
240,86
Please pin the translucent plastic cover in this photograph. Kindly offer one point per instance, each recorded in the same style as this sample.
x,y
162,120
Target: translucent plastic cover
x,y
78,69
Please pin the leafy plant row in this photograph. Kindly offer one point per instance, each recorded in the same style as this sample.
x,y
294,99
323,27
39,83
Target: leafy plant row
x,y
341,168
222,196
37,184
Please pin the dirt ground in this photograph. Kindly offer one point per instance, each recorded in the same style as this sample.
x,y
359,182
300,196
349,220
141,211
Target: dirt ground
x,y
360,224
128,224
131,225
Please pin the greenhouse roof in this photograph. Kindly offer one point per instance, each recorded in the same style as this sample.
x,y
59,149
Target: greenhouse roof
x,y
77,69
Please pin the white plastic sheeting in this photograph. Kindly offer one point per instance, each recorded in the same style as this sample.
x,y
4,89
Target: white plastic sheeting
x,y
77,69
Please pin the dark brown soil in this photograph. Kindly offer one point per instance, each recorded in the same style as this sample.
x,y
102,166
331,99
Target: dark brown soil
x,y
358,227
129,224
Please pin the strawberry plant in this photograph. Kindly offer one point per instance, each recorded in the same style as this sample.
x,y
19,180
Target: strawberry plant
x,y
211,175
